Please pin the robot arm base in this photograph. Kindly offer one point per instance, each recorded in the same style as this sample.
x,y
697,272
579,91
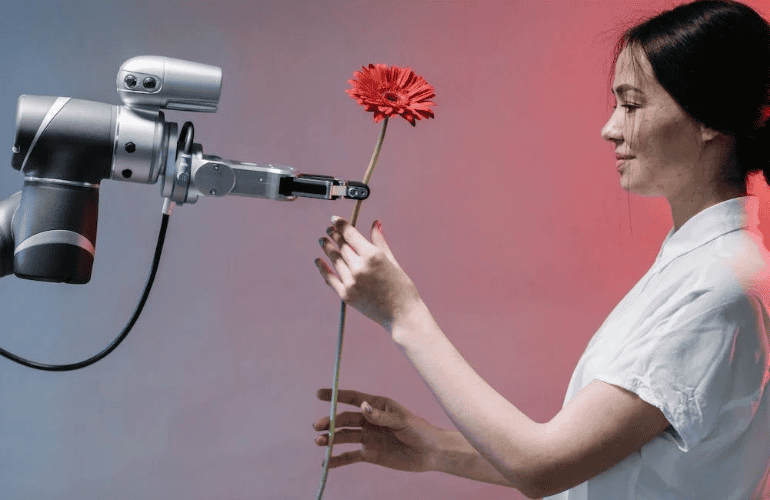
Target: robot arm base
x,y
7,210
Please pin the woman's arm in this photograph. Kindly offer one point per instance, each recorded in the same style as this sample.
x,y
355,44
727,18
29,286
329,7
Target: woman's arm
x,y
601,426
596,430
455,455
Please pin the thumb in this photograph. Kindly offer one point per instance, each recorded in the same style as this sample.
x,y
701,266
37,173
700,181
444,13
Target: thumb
x,y
379,417
379,240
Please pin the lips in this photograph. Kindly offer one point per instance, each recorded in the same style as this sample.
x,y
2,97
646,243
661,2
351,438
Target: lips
x,y
621,159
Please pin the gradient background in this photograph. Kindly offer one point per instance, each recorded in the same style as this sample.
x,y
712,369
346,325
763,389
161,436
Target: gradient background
x,y
505,210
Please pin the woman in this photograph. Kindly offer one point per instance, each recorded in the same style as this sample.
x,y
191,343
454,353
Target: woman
x,y
667,400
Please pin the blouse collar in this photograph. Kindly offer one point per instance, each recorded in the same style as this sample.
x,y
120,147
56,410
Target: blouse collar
x,y
708,224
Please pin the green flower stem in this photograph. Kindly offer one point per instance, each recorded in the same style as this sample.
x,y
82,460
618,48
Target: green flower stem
x,y
343,310
370,170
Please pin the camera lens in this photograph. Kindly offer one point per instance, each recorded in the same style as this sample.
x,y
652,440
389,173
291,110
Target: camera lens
x,y
130,81
149,82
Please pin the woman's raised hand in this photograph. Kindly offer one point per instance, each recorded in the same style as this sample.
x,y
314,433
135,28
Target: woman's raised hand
x,y
368,277
390,435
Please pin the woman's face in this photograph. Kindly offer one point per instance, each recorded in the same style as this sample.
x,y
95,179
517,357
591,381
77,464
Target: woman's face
x,y
657,144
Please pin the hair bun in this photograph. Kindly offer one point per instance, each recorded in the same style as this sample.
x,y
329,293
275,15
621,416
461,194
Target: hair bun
x,y
764,116
753,151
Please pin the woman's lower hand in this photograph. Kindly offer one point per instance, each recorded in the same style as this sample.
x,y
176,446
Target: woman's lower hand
x,y
390,436
368,277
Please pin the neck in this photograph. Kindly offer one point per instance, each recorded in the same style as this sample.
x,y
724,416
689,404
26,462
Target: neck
x,y
685,206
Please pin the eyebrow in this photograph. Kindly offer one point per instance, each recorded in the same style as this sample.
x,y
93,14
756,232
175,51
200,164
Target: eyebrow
x,y
622,89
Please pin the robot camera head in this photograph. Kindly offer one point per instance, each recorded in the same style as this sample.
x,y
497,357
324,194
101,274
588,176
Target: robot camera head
x,y
157,82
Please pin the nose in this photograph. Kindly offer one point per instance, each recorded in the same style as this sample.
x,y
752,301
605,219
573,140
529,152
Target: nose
x,y
613,129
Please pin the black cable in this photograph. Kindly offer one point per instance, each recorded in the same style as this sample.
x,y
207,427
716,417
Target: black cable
x,y
186,136
184,144
123,334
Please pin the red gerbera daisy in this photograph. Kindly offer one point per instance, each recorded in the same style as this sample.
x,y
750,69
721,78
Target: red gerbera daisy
x,y
385,92
392,91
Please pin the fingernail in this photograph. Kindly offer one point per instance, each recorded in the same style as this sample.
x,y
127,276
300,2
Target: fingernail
x,y
321,241
329,230
367,408
378,225
335,219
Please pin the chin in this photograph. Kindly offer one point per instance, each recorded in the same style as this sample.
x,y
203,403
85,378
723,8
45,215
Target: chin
x,y
637,189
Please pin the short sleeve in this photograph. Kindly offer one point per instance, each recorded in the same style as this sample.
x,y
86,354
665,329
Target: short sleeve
x,y
703,364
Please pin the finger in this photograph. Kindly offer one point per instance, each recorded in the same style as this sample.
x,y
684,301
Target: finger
x,y
348,396
351,235
350,457
378,239
337,259
331,279
344,419
381,418
348,253
345,436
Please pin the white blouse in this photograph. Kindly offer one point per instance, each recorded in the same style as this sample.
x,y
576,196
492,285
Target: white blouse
x,y
691,338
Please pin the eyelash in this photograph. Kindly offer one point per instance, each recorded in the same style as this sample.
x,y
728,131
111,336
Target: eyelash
x,y
629,107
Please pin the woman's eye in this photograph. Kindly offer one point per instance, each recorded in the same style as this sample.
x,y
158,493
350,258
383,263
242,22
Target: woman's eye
x,y
630,108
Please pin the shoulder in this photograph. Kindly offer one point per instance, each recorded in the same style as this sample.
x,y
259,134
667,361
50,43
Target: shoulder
x,y
748,261
730,268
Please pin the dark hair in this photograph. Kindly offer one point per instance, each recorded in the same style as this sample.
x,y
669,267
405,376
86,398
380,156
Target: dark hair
x,y
713,58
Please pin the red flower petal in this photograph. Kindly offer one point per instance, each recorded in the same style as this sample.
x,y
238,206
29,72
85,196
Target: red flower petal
x,y
387,91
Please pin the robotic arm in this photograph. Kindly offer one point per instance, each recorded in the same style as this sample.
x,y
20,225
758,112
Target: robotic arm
x,y
7,210
65,147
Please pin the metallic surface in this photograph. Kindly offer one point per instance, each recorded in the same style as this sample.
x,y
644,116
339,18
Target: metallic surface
x,y
54,110
143,161
56,236
178,84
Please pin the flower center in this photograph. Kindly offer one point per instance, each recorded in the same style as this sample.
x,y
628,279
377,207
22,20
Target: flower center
x,y
391,96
